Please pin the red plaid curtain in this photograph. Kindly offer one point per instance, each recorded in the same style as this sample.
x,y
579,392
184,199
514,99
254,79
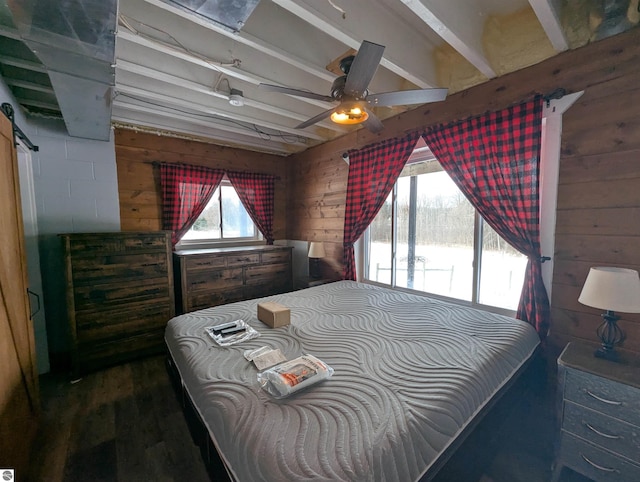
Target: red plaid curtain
x,y
186,190
494,159
256,192
373,170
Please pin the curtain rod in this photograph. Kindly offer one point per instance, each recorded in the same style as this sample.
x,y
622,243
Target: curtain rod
x,y
7,110
559,93
157,164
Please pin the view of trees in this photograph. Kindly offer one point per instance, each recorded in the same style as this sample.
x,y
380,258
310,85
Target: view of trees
x,y
209,220
440,220
236,222
440,258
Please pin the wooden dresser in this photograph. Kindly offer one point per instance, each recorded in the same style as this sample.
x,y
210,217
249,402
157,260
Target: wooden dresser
x,y
119,295
223,275
600,416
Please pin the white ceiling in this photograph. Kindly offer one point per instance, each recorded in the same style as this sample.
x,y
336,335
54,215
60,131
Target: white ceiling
x,y
174,70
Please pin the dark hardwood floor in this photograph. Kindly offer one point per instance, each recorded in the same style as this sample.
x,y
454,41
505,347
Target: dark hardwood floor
x,y
120,424
126,424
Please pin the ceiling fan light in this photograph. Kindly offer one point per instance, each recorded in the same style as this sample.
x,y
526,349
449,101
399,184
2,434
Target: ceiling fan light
x,y
351,113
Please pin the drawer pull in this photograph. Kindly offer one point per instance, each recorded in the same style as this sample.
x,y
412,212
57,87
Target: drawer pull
x,y
599,467
603,400
602,434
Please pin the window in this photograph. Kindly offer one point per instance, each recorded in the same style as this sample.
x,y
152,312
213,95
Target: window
x,y
223,219
428,237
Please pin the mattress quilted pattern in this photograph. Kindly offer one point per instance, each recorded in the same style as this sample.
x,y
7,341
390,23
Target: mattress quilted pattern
x,y
410,373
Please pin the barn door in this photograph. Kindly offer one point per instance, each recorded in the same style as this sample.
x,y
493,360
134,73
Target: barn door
x,y
18,376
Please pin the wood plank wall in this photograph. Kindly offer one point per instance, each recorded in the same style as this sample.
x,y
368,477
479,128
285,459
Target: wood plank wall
x,y
139,181
598,217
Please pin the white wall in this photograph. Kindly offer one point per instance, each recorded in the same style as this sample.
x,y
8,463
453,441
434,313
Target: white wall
x,y
76,190
75,181
299,261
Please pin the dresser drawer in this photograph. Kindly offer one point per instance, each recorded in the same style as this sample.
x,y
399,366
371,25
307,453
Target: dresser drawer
x,y
200,301
101,297
90,244
219,279
106,268
243,259
144,241
121,323
609,433
107,352
276,256
596,463
204,262
270,273
607,396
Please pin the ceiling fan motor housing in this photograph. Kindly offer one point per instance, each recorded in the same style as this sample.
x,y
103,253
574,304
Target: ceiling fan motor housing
x,y
337,88
345,63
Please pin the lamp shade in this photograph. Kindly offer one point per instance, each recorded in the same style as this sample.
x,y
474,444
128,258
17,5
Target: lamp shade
x,y
612,289
316,249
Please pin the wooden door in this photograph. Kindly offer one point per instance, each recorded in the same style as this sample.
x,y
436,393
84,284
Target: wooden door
x,y
19,400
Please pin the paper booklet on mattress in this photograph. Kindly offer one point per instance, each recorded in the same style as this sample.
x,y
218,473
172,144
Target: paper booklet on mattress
x,y
292,376
264,357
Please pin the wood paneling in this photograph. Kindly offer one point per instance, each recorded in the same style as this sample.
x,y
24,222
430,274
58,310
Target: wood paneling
x,y
139,180
599,191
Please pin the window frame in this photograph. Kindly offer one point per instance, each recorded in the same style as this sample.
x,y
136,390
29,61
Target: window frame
x,y
478,230
257,239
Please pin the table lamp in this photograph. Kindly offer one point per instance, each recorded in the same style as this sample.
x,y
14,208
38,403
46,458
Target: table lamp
x,y
316,251
611,289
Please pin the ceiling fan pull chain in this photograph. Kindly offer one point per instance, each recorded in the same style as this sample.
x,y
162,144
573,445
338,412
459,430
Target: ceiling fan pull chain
x,y
344,14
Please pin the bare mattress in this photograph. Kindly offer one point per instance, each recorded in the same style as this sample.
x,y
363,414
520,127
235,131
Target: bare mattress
x,y
410,373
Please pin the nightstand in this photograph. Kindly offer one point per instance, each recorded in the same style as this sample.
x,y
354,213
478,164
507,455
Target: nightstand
x,y
308,282
599,412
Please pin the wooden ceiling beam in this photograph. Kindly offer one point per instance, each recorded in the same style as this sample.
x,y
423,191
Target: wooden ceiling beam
x,y
249,40
232,72
459,27
548,14
366,20
203,109
208,91
245,131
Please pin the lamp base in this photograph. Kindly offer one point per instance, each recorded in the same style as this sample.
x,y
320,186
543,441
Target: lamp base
x,y
610,335
314,268
608,354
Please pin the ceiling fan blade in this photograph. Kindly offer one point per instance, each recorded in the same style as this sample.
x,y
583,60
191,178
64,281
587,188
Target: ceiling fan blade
x,y
299,93
363,68
407,97
315,119
373,123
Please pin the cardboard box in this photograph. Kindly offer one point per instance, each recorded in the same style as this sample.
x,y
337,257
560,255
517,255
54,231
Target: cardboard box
x,y
273,314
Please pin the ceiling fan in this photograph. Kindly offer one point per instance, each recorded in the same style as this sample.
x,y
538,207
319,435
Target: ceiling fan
x,y
351,91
